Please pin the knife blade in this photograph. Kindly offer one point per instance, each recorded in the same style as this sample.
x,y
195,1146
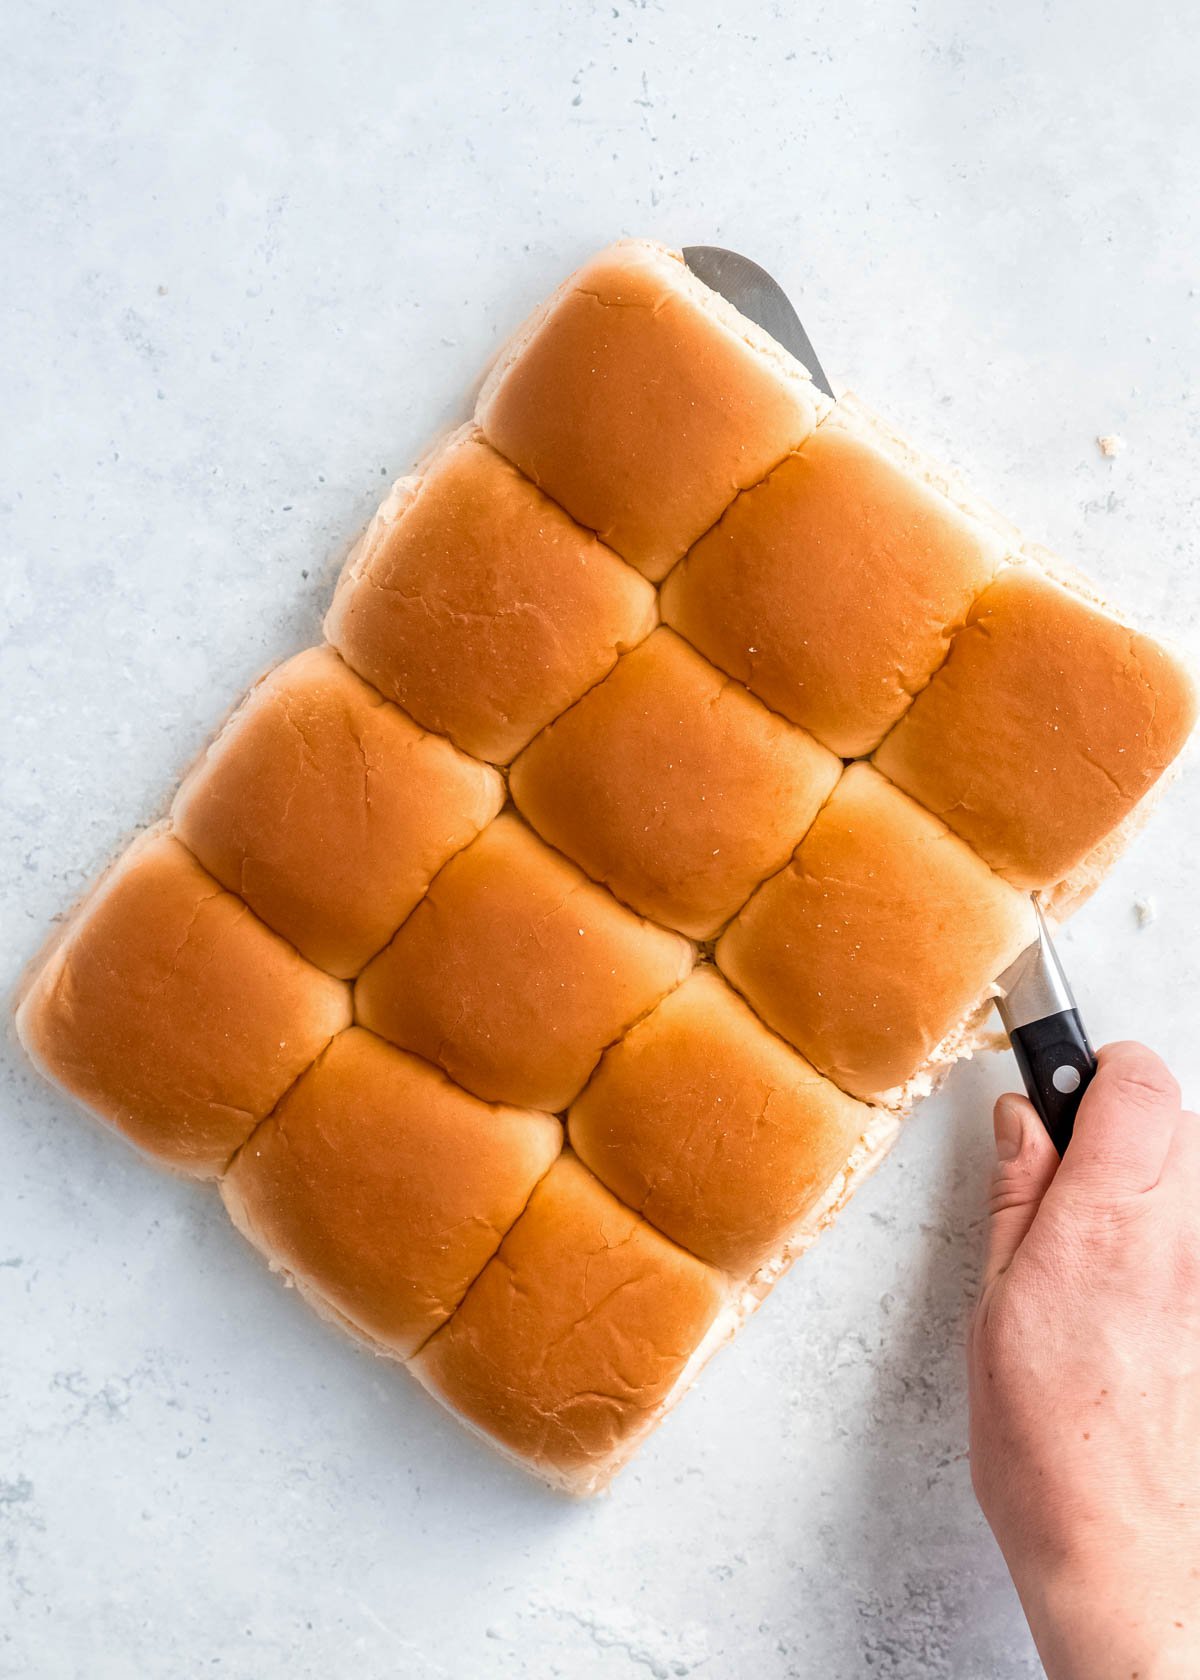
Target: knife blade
x,y
751,289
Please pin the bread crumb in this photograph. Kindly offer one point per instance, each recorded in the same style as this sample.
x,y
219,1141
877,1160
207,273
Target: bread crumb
x,y
1145,911
1111,445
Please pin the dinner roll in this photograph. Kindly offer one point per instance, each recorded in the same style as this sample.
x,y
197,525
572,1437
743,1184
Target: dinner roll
x,y
674,786
1045,727
479,606
514,972
570,1341
383,1189
329,811
877,939
642,402
832,588
173,1013
712,1128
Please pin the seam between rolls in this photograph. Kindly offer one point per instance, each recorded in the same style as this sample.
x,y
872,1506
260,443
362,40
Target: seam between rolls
x,y
399,1050
345,1324
732,1282
341,979
738,490
729,980
679,284
706,963
952,633
425,734
726,681
502,767
353,980
794,1048
480,436
506,769
735,1279
1033,556
511,810
453,1313
746,490
643,1015
1012,555
419,479
715,938
473,430
954,1031
953,834
278,1103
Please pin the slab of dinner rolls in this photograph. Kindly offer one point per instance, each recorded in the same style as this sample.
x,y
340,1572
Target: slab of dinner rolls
x,y
479,606
329,810
515,971
832,588
642,402
384,1189
713,1128
876,940
173,1013
1045,727
676,770
674,786
572,1339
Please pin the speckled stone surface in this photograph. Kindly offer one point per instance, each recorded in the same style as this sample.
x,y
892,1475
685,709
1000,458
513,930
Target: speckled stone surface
x,y
255,256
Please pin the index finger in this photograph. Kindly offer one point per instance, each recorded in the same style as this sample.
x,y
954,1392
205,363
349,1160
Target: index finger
x,y
1125,1125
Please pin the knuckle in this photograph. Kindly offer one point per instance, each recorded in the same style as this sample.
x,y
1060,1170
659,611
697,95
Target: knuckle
x,y
1006,1196
1137,1078
1145,1088
1014,1184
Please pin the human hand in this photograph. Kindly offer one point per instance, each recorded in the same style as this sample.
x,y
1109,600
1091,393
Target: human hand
x,y
1085,1375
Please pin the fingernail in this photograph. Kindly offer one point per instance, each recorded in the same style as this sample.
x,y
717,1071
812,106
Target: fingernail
x,y
1009,1124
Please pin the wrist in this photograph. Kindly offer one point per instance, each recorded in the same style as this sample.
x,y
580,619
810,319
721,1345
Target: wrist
x,y
1115,1618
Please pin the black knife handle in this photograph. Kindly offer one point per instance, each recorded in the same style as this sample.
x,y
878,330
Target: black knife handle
x,y
1057,1064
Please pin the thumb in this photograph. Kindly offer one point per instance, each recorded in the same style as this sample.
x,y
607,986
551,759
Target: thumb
x,y
1026,1162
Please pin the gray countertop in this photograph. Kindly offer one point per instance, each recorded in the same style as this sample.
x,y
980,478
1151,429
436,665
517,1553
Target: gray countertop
x,y
255,256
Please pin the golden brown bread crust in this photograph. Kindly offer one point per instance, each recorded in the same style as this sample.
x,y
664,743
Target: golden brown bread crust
x,y
876,939
329,811
641,405
712,1128
832,588
515,972
1047,725
384,1188
173,1013
673,786
478,606
575,1333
